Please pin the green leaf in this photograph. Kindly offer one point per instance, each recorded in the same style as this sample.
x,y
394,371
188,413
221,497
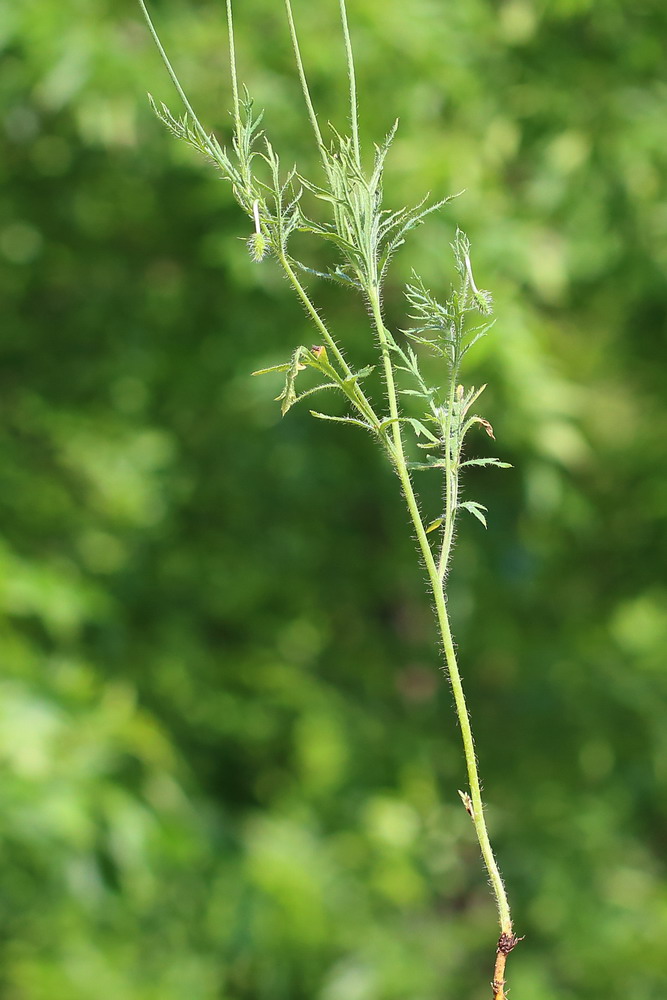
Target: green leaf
x,y
486,461
316,388
475,509
472,396
274,368
341,420
288,396
339,276
422,431
434,463
418,426
362,373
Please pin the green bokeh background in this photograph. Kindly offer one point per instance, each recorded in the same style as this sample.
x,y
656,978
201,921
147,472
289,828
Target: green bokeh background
x,y
229,763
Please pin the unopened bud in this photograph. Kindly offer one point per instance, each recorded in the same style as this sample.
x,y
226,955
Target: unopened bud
x,y
257,243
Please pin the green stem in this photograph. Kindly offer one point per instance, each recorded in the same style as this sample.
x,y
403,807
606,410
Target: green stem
x,y
354,112
171,71
232,68
302,78
358,396
451,487
436,584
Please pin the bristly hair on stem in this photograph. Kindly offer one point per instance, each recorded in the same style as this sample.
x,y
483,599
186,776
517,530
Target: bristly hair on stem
x,y
366,235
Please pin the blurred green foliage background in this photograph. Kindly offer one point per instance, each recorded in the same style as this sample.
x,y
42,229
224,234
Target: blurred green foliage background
x,y
229,763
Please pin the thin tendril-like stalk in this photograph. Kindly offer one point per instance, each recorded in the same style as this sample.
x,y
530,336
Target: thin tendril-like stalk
x,y
232,68
314,315
354,108
435,581
302,77
171,71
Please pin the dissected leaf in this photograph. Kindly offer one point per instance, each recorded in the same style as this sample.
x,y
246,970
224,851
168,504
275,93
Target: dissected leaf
x,y
486,461
422,431
475,509
341,420
436,462
315,388
483,423
362,373
274,368
288,396
419,428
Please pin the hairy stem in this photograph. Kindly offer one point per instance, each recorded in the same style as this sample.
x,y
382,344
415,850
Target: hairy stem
x,y
436,584
363,404
451,488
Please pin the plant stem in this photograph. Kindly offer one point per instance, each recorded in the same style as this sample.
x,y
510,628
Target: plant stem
x,y
361,401
232,68
171,71
436,584
302,78
451,488
354,112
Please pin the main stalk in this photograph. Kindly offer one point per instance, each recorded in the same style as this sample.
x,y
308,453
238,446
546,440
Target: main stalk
x,y
436,575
